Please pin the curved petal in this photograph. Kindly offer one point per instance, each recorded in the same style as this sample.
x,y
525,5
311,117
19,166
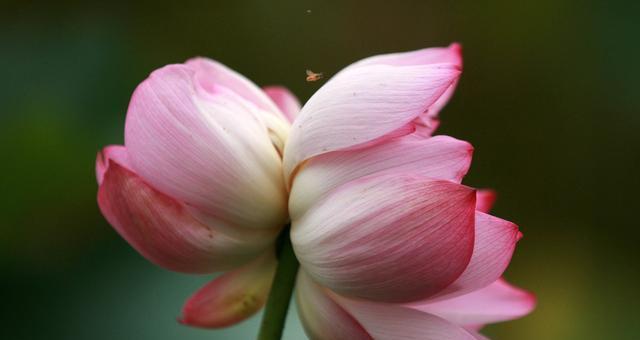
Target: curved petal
x,y
207,147
232,297
451,54
440,157
485,199
494,245
321,317
366,101
392,321
212,75
164,232
497,302
217,74
392,238
433,55
116,152
285,100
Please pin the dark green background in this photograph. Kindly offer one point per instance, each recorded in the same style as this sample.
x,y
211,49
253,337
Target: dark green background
x,y
548,97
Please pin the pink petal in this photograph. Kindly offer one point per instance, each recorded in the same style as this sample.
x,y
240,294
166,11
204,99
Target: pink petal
x,y
433,55
164,232
213,78
366,101
285,100
391,321
321,317
494,245
497,302
485,199
451,54
388,238
206,146
116,152
440,157
232,297
216,74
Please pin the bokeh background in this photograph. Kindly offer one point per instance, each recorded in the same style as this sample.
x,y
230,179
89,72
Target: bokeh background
x,y
549,98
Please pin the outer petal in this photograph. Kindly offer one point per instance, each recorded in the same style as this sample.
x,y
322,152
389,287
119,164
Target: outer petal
x,y
434,55
285,100
451,54
390,321
440,157
321,316
364,102
494,245
497,302
232,297
485,199
206,146
388,238
163,231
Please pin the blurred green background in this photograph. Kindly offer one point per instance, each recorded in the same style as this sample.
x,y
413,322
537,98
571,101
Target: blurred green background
x,y
548,97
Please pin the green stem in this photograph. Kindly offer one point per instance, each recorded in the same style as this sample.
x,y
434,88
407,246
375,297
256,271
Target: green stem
x,y
278,302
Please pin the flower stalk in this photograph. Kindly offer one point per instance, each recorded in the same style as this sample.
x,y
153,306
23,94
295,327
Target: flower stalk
x,y
281,289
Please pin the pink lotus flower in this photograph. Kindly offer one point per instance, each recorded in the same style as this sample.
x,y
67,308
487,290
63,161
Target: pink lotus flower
x,y
390,244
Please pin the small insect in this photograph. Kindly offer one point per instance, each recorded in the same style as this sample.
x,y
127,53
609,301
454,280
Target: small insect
x,y
312,76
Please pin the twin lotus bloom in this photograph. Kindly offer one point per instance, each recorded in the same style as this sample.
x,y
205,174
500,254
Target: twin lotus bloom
x,y
391,245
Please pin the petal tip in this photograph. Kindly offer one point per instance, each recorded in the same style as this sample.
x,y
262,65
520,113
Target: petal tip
x,y
532,299
104,156
519,235
456,47
470,148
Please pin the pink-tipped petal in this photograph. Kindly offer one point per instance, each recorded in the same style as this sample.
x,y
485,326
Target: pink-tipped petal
x,y
321,317
451,54
204,145
216,74
366,101
116,152
285,100
232,297
392,238
440,157
391,321
164,232
494,245
497,302
485,199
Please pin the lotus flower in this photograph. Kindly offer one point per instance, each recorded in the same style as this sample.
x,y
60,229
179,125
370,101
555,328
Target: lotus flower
x,y
391,245
198,185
